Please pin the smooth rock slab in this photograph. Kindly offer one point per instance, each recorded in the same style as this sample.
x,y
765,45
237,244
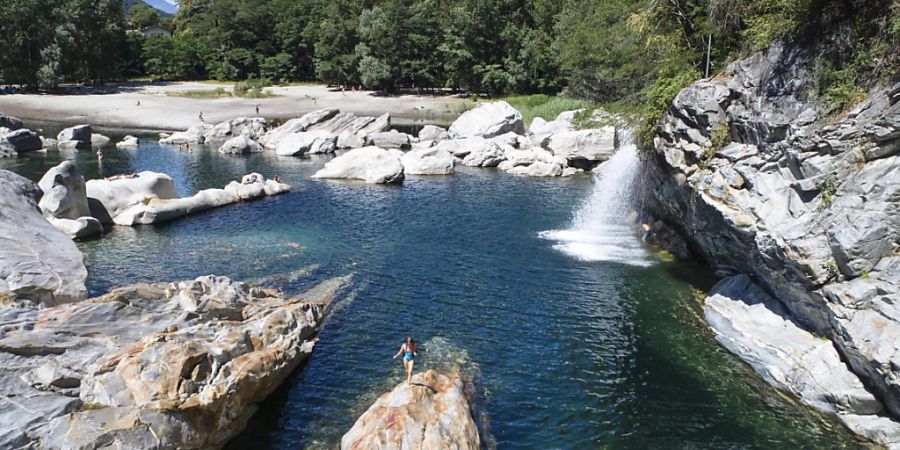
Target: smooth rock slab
x,y
428,161
432,413
755,327
22,141
167,365
311,142
65,203
370,164
38,263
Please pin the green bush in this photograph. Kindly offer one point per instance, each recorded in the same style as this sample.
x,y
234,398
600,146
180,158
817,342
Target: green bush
x,y
544,106
253,88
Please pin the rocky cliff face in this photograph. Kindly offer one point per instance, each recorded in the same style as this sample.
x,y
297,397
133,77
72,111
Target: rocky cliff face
x,y
748,167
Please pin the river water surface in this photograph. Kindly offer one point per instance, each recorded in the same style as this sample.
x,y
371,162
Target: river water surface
x,y
567,352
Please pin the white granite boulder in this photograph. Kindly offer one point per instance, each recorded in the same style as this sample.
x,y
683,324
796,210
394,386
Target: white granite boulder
x,y
487,120
433,133
428,161
193,135
388,139
251,127
485,153
128,142
65,203
39,264
78,136
370,164
241,145
592,146
309,142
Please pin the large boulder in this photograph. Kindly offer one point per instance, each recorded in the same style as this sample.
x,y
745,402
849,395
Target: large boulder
x,y
21,141
273,137
193,135
65,203
583,147
78,136
370,164
431,413
310,142
11,123
38,263
167,365
251,127
110,197
240,144
128,142
487,120
486,153
389,139
427,161
433,133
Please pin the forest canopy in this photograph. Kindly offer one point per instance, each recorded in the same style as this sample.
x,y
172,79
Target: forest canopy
x,y
636,52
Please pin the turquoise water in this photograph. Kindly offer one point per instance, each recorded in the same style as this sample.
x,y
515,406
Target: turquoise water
x,y
565,354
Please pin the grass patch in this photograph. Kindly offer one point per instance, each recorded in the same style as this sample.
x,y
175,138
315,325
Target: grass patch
x,y
544,106
253,88
200,93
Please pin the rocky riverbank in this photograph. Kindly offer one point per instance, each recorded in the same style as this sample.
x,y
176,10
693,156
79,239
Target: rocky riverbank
x,y
761,180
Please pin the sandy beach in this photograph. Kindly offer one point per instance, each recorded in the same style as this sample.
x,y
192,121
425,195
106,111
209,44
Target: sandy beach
x,y
153,107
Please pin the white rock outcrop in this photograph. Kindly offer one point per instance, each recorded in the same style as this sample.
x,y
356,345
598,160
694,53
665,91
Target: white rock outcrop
x,y
428,161
78,136
64,202
370,164
39,265
487,120
240,144
309,142
128,142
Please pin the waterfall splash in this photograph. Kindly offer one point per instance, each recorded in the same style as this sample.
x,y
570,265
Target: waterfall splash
x,y
600,230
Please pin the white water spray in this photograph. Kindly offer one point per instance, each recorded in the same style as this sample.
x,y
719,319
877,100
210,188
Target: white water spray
x,y
600,230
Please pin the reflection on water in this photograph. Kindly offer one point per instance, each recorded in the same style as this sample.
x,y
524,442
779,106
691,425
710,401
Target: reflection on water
x,y
570,353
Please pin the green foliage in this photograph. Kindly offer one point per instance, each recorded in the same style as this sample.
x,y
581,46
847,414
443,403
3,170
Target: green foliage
x,y
832,268
253,88
167,58
544,106
143,16
828,188
200,93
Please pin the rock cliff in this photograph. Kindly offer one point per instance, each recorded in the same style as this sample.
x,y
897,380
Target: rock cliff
x,y
761,179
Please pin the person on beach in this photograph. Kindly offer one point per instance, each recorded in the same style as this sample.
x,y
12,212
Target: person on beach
x,y
257,110
201,117
408,350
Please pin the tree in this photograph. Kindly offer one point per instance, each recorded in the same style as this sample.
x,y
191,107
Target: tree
x,y
143,16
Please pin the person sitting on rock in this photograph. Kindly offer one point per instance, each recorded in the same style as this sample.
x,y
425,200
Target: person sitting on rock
x,y
408,350
646,232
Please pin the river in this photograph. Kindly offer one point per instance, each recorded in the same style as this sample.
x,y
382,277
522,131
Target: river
x,y
569,349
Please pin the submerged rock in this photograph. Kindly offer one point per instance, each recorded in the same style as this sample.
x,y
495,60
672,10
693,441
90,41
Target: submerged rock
x,y
180,365
370,164
487,120
38,263
431,413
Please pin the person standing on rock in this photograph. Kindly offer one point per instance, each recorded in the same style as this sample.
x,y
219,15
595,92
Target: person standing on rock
x,y
408,350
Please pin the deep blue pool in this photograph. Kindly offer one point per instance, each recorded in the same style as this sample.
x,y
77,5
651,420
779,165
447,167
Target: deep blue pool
x,y
567,354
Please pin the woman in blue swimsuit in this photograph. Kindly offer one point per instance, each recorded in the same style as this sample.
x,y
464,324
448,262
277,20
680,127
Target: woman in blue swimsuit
x,y
408,350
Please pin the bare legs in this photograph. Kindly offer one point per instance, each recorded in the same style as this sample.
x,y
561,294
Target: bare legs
x,y
408,365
